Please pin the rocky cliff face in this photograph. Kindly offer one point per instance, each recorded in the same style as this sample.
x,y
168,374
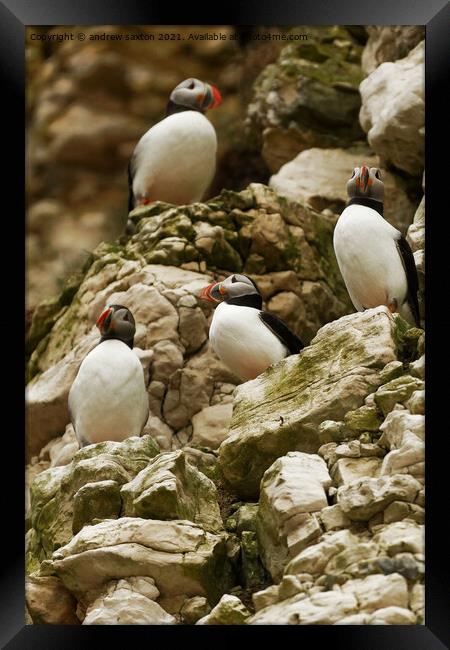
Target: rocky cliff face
x,y
295,498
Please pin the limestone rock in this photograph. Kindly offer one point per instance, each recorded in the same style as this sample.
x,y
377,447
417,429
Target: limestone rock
x,y
389,43
291,489
228,611
313,386
401,537
392,112
194,609
319,178
95,500
348,470
314,559
171,488
319,609
364,498
396,392
392,615
65,498
399,510
252,570
49,602
333,518
128,602
211,424
179,555
308,97
46,398
378,591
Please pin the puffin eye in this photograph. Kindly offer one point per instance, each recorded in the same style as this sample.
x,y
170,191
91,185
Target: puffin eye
x,y
377,175
234,279
191,85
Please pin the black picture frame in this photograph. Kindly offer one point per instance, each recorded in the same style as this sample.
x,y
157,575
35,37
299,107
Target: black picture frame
x,y
15,15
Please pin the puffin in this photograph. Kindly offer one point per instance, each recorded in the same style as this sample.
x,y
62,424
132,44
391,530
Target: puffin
x,y
247,339
175,160
108,399
375,260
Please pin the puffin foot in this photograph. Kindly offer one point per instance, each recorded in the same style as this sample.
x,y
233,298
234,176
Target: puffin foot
x,y
147,201
393,306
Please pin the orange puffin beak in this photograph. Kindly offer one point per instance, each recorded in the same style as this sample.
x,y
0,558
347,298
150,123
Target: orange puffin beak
x,y
217,97
364,176
101,318
206,292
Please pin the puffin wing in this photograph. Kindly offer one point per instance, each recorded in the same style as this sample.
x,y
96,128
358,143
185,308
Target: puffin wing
x,y
282,331
409,265
130,184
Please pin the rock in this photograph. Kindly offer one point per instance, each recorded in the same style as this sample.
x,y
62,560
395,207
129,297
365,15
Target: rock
x,y
49,602
389,43
194,609
46,397
99,500
378,591
308,97
65,498
364,498
210,425
401,537
392,616
179,555
348,470
171,488
246,518
396,391
397,424
228,611
399,510
366,418
266,597
314,559
416,403
319,609
128,602
319,178
416,231
392,371
354,561
410,453
417,368
325,389
252,571
333,518
417,600
392,112
292,488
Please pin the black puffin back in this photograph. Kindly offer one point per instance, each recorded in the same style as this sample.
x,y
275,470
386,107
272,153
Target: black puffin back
x,y
282,332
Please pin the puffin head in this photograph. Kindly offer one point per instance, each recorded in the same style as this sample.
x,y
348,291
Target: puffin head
x,y
366,183
237,289
195,95
117,322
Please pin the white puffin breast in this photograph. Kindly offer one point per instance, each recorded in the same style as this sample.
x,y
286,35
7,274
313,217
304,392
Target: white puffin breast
x,y
368,258
175,160
108,399
243,342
